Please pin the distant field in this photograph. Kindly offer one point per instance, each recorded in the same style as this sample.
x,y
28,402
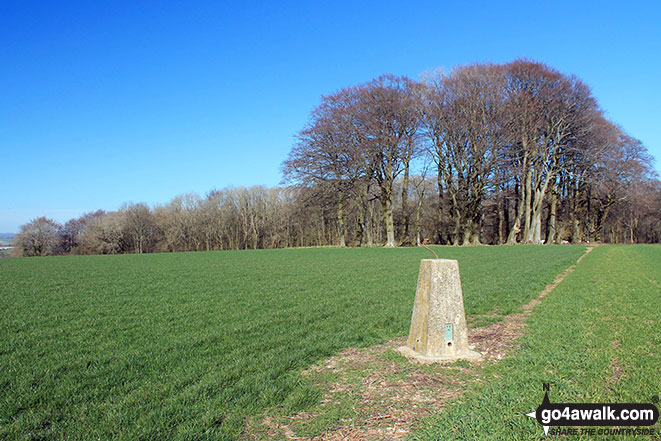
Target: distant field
x,y
4,242
186,345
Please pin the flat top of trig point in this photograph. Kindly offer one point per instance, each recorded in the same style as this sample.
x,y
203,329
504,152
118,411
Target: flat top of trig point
x,y
438,260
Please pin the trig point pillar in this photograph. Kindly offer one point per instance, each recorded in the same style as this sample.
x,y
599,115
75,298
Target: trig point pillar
x,y
438,326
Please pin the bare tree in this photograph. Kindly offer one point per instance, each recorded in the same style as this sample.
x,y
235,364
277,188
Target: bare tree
x,y
104,235
462,121
73,229
421,187
179,222
389,117
39,237
547,115
617,174
328,151
139,226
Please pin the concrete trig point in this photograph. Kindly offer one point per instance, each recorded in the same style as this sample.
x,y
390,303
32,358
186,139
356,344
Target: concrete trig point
x,y
438,326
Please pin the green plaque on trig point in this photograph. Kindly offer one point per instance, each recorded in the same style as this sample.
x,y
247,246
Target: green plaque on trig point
x,y
448,332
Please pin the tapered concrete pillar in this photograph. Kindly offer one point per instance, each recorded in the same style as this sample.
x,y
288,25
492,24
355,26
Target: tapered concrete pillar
x,y
438,326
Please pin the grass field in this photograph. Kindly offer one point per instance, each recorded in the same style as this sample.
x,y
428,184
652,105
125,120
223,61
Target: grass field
x,y
595,339
187,345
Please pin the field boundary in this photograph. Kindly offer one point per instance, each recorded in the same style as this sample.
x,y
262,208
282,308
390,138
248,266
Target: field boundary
x,y
388,394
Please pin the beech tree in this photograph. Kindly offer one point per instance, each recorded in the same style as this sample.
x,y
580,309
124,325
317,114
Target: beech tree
x,y
39,237
104,235
328,151
461,117
390,119
74,228
618,173
139,227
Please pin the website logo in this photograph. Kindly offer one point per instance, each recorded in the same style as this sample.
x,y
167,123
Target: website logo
x,y
589,415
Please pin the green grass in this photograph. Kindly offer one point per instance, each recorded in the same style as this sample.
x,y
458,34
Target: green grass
x,y
595,339
187,345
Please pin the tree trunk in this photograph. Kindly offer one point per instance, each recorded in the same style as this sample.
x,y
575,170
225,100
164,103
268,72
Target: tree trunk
x,y
471,233
405,198
455,213
340,218
535,232
500,213
387,215
365,222
552,231
602,215
440,202
476,230
516,228
467,235
576,228
418,229
474,212
527,192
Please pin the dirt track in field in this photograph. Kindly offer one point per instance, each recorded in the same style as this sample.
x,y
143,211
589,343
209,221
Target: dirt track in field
x,y
390,396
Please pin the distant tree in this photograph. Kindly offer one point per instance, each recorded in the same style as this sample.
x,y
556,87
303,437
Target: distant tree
x,y
39,237
463,122
139,226
548,117
328,151
104,235
420,187
180,223
73,229
389,119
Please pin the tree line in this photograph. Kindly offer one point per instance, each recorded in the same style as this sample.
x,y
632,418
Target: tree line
x,y
483,154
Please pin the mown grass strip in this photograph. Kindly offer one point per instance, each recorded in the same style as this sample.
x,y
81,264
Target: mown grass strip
x,y
594,339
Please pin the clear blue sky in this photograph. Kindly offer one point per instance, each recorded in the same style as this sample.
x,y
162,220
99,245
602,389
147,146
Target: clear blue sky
x,y
107,102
